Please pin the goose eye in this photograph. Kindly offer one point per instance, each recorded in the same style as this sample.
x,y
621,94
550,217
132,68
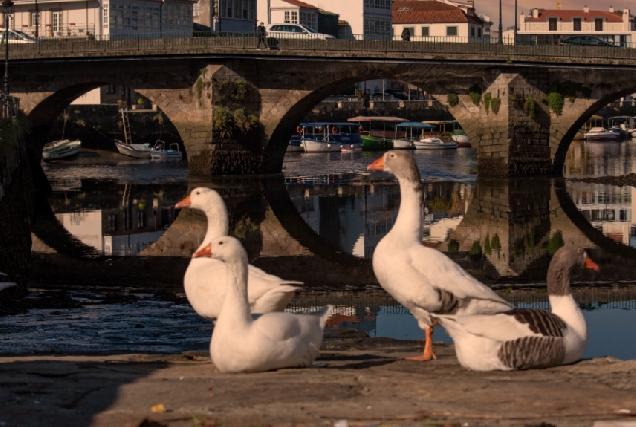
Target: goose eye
x,y
220,243
391,155
197,193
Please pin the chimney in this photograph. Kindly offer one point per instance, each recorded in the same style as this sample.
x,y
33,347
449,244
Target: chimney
x,y
586,9
535,13
611,9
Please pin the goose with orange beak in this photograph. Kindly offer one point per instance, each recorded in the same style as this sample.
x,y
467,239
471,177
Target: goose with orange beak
x,y
527,338
422,279
205,278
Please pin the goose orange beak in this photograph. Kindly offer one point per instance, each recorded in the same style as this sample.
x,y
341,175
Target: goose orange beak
x,y
204,251
185,203
378,165
590,264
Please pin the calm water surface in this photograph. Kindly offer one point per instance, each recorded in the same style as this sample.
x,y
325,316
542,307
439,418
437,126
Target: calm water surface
x,y
320,224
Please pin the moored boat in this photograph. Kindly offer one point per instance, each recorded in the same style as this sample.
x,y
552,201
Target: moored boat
x,y
377,132
159,152
433,143
412,131
327,137
138,151
601,134
61,149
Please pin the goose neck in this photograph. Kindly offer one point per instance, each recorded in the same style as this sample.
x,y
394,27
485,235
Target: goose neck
x,y
409,220
218,224
235,310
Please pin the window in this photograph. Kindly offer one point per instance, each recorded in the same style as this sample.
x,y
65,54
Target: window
x,y
105,17
451,31
111,89
472,31
141,219
552,24
426,31
598,24
35,19
57,21
112,222
478,32
308,19
577,24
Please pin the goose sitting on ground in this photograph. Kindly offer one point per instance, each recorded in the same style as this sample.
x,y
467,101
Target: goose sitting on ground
x,y
422,279
205,278
526,338
242,343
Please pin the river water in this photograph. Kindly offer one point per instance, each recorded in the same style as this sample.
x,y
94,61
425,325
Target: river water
x,y
113,229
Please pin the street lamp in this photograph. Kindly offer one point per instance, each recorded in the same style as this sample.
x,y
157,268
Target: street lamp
x,y
7,7
515,33
37,20
500,25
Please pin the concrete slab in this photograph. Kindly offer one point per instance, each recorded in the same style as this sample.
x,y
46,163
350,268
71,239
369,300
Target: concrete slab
x,y
357,382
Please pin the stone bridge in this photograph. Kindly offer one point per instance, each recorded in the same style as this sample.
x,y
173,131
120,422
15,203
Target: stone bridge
x,y
235,109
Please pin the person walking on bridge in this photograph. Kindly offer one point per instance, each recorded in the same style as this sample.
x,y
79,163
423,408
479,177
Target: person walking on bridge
x,y
262,36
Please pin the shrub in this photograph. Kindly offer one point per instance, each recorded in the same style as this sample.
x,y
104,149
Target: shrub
x,y
555,242
453,99
487,247
555,102
475,250
487,98
495,244
528,107
475,94
495,104
453,246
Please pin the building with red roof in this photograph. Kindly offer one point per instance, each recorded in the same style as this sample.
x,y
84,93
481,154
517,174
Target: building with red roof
x,y
551,25
428,18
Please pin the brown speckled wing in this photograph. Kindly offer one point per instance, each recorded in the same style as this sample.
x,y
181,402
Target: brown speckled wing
x,y
539,321
532,352
449,302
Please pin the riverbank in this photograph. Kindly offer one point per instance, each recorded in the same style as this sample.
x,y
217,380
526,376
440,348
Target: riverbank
x,y
362,380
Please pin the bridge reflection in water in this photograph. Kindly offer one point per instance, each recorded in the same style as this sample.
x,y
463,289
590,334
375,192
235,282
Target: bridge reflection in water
x,y
501,231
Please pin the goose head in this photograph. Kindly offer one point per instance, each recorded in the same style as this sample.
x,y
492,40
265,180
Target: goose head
x,y
568,256
201,198
224,248
399,163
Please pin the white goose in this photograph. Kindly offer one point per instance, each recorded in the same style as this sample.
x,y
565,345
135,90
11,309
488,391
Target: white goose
x,y
205,278
242,343
526,338
422,279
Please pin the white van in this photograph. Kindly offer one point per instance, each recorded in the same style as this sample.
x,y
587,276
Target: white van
x,y
16,36
295,31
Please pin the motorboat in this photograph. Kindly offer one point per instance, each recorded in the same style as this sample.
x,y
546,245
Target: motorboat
x,y
410,131
601,134
460,138
433,143
295,145
327,137
159,152
139,151
625,125
61,149
377,132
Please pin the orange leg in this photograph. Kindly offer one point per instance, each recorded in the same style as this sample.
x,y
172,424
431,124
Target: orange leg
x,y
428,348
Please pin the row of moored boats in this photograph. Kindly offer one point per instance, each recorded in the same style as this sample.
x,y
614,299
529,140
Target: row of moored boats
x,y
372,133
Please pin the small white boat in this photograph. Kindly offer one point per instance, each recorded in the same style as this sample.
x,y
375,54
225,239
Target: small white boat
x,y
316,146
61,149
409,130
433,143
601,134
159,152
139,151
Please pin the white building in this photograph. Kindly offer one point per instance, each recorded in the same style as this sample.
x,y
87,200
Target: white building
x,y
438,19
368,18
81,18
546,26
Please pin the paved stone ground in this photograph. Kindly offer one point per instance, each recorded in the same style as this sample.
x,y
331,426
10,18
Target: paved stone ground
x,y
358,379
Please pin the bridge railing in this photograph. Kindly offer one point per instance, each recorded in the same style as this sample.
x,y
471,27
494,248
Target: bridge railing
x,y
145,44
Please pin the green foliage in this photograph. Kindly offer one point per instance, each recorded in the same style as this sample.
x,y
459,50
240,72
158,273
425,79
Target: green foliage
x,y
158,117
198,87
555,102
240,90
222,121
453,246
475,94
495,244
487,248
508,60
528,107
475,250
203,71
140,101
517,99
495,104
437,204
555,242
487,99
453,99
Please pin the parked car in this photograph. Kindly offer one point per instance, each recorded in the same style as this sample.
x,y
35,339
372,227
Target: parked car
x,y
293,31
16,36
584,41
